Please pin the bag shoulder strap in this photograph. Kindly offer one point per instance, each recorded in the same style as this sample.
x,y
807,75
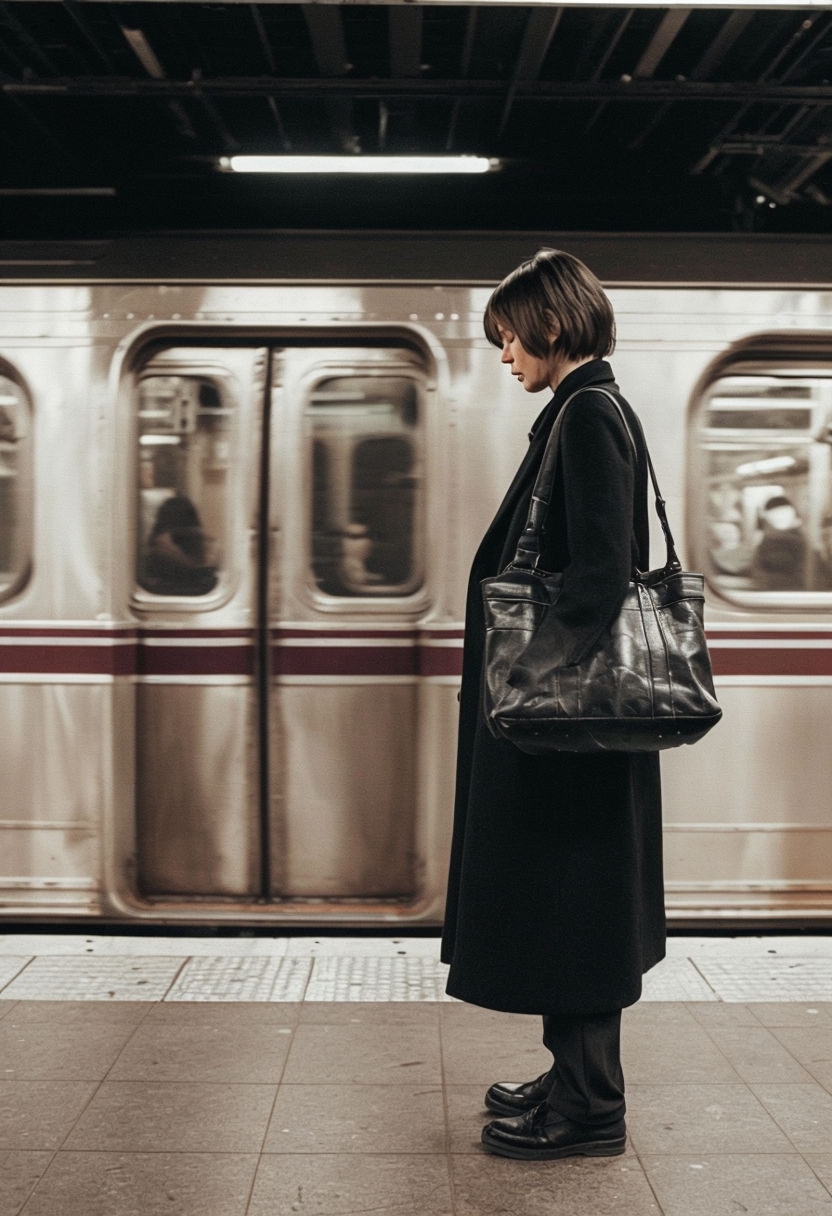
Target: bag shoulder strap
x,y
528,546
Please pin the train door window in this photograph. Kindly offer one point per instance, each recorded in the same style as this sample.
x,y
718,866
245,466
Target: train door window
x,y
365,432
186,433
15,484
764,509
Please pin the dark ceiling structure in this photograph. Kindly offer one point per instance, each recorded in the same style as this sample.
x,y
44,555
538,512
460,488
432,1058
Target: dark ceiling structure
x,y
113,116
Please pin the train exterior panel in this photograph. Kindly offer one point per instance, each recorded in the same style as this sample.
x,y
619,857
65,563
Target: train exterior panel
x,y
240,487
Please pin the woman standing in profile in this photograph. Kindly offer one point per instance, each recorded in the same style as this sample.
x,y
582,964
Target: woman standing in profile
x,y
555,899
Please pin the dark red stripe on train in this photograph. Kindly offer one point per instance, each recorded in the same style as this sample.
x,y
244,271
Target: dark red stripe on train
x,y
210,652
354,661
779,652
73,659
750,661
170,653
309,652
51,650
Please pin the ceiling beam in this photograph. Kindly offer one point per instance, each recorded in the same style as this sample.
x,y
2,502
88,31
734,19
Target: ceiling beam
x,y
744,92
464,69
329,45
147,57
663,38
326,29
39,60
665,35
733,28
537,38
271,63
77,14
405,35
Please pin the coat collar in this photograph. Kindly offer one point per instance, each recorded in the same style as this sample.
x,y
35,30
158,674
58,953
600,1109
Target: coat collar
x,y
597,371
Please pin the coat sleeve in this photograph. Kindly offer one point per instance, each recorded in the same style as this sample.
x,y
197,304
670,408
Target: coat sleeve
x,y
597,464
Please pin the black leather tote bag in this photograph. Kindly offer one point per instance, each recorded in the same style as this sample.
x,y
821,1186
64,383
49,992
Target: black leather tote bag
x,y
646,686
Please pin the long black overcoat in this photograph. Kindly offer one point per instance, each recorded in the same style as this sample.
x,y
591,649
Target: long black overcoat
x,y
555,898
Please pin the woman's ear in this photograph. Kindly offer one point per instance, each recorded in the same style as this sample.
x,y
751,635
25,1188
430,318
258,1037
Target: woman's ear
x,y
553,326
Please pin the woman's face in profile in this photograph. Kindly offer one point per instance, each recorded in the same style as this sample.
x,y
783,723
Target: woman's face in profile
x,y
534,373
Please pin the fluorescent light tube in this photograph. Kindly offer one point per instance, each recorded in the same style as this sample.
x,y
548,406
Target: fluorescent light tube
x,y
357,164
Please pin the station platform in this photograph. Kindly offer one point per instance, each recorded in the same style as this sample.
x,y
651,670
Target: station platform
x,y
276,1076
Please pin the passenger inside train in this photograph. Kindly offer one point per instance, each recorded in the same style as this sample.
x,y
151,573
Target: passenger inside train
x,y
356,552
779,561
180,559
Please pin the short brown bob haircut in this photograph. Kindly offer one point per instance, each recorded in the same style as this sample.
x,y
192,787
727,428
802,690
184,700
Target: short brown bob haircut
x,y
553,285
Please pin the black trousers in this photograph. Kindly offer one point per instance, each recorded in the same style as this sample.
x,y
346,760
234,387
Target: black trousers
x,y
587,1080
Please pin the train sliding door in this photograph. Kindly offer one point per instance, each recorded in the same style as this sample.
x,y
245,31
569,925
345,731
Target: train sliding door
x,y
279,578
198,421
342,717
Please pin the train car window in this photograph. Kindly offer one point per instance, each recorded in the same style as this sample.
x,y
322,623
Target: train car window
x,y
184,434
15,484
765,508
366,484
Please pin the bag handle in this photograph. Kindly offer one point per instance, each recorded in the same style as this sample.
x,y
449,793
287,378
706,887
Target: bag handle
x,y
527,555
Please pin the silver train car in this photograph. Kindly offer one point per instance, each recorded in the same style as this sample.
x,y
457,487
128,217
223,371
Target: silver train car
x,y
241,481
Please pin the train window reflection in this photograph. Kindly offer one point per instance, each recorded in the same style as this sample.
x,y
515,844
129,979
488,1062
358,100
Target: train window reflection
x,y
15,489
766,447
184,459
365,433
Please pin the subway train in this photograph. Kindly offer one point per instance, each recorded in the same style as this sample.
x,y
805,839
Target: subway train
x,y
242,477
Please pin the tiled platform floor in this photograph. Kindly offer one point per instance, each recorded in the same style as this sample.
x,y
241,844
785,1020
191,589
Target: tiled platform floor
x,y
174,1091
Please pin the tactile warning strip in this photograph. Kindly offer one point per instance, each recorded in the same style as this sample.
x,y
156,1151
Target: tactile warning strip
x,y
377,979
242,979
677,979
93,979
136,969
776,979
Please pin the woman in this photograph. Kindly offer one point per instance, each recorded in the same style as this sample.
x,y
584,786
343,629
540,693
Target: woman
x,y
555,896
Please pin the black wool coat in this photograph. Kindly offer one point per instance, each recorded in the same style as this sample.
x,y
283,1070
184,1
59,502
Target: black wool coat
x,y
555,898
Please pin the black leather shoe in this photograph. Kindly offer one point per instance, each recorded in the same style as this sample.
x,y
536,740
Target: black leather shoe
x,y
542,1135
509,1099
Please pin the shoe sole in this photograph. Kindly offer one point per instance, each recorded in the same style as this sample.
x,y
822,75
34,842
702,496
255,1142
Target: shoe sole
x,y
592,1148
503,1108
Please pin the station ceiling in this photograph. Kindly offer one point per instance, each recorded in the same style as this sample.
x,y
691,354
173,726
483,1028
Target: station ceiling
x,y
115,116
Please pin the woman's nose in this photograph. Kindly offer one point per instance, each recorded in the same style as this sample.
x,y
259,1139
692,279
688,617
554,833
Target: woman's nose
x,y
506,355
